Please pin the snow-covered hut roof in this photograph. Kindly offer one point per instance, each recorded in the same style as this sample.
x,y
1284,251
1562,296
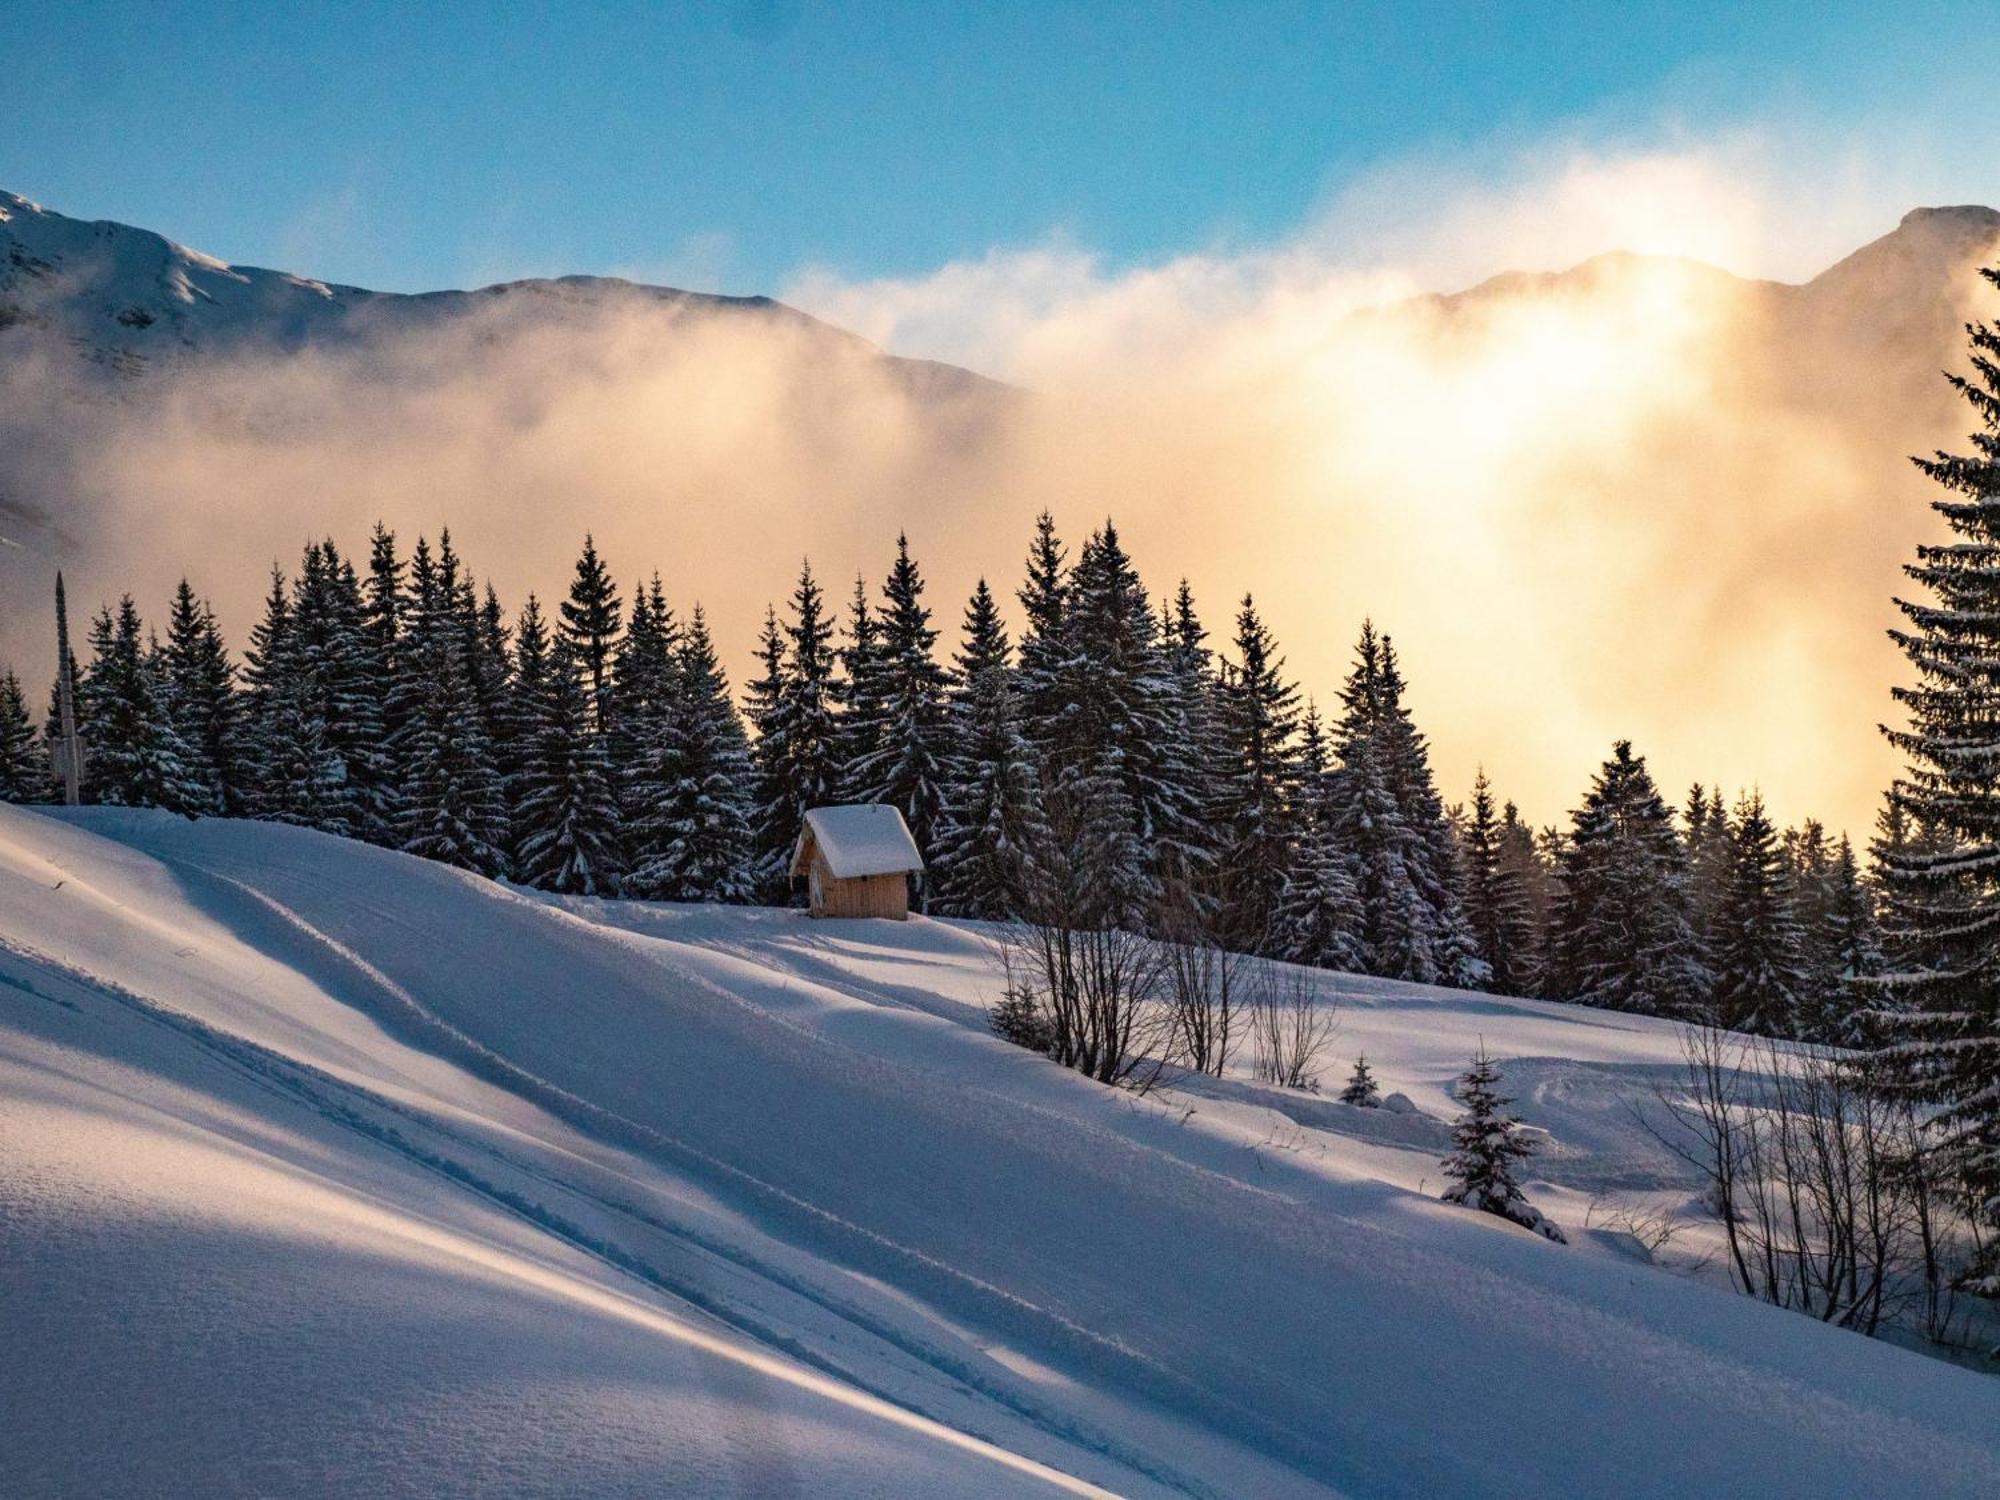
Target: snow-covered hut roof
x,y
857,840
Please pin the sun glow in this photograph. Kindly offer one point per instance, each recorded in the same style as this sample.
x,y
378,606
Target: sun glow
x,y
1641,498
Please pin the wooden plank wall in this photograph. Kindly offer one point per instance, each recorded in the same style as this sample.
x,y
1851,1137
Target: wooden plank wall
x,y
867,896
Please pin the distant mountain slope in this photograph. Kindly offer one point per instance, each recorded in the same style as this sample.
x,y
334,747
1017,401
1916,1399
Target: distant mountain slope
x,y
128,300
1913,260
1881,313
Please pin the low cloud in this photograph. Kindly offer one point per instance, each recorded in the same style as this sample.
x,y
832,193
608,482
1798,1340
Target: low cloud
x,y
1647,499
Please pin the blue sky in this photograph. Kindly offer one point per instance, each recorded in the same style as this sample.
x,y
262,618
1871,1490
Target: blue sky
x,y
728,144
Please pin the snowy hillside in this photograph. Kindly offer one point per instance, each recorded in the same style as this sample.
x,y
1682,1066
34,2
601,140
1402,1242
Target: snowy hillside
x,y
327,1170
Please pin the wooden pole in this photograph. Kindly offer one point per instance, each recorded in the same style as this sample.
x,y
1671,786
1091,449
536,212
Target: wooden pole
x,y
69,753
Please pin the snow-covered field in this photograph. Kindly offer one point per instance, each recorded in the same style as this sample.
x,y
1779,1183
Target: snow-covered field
x,y
327,1171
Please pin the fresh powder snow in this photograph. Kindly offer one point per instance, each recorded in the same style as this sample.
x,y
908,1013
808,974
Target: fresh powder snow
x,y
325,1169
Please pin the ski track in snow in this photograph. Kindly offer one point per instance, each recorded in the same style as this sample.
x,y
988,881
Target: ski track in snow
x,y
354,1109
608,1125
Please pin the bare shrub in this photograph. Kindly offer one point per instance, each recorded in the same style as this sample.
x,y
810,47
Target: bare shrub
x,y
1654,1228
1290,1029
1206,982
1079,983
1829,1202
1089,991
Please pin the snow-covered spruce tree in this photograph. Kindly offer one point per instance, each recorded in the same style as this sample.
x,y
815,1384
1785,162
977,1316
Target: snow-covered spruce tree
x,y
1454,957
1257,721
1395,934
1520,896
1898,836
1318,918
328,664
1199,760
315,747
771,831
1759,983
1943,904
644,692
268,688
1852,944
1045,645
590,618
138,759
203,703
904,762
403,700
1111,752
292,776
1837,938
1808,870
527,708
1620,933
24,768
1489,1142
857,694
1389,817
1710,856
643,689
797,754
991,816
382,602
1017,1017
492,661
1361,1087
452,806
694,788
811,732
565,815
1495,892
644,658
1085,649
368,642
1400,924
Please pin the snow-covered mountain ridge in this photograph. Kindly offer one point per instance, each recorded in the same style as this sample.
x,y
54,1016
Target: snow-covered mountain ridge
x,y
327,1170
127,300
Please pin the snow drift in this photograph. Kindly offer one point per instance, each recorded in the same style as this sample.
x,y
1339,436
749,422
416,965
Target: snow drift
x,y
325,1170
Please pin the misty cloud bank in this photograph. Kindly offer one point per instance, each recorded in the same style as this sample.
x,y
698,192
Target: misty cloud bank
x,y
1646,499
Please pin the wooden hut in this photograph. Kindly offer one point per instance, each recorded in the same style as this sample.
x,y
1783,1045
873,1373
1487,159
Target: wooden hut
x,y
856,861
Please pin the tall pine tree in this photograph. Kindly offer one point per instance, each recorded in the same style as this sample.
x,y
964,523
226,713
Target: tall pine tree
x,y
1521,899
695,787
453,806
565,816
1319,915
590,619
903,763
1257,720
138,759
798,732
1621,936
990,822
201,685
858,695
1943,918
24,769
1760,981
1391,820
